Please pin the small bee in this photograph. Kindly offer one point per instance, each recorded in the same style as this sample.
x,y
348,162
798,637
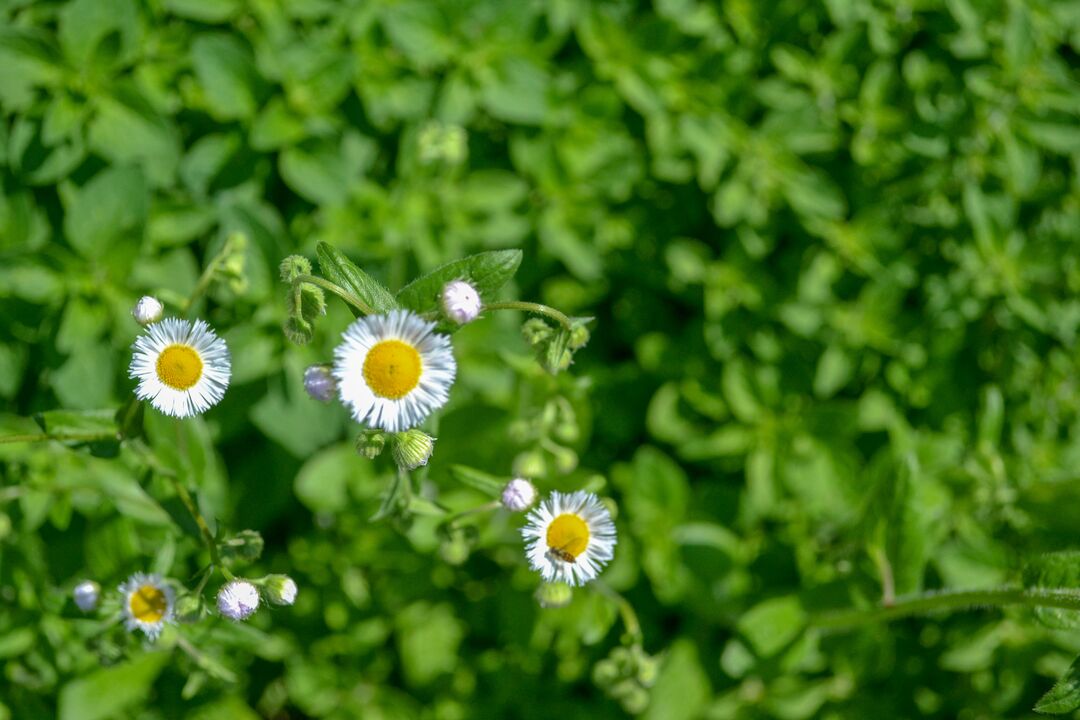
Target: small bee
x,y
561,553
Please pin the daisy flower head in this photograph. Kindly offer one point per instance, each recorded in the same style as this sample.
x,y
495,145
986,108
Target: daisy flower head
x,y
393,370
183,368
569,537
148,603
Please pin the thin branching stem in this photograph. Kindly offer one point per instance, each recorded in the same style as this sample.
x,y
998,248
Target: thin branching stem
x,y
532,307
626,611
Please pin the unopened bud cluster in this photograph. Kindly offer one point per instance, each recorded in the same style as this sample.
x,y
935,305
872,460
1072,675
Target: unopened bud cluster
x,y
626,676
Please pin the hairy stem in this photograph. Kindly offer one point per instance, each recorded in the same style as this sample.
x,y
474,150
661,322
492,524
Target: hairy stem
x,y
905,606
40,437
192,508
337,290
532,307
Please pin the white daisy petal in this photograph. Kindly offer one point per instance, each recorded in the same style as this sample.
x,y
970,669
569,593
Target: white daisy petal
x,y
183,368
393,370
569,537
148,603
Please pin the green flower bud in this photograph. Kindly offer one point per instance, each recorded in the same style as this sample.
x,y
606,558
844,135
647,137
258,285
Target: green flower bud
x,y
578,336
536,331
246,545
530,463
279,589
605,673
293,266
554,595
413,448
370,443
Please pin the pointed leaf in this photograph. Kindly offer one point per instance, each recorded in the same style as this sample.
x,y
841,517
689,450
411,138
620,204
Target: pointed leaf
x,y
1065,695
339,269
486,271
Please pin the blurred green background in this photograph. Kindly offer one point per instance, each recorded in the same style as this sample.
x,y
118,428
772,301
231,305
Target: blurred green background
x,y
832,252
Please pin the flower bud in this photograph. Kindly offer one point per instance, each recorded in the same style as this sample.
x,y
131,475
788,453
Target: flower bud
x,y
518,495
238,599
87,593
279,589
460,301
147,310
370,443
413,448
535,331
293,266
554,595
320,383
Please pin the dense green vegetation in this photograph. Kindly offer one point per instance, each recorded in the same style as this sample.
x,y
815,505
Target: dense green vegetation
x,y
831,250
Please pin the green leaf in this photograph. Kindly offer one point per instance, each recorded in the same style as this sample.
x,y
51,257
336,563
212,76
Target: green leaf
x,y
772,624
339,269
226,72
1055,570
109,207
323,481
478,480
1065,695
107,693
486,271
682,688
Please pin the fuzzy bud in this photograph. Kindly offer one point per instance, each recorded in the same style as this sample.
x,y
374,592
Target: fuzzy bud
x,y
294,266
147,310
280,589
460,302
518,495
554,595
536,331
320,383
238,599
86,594
370,443
413,448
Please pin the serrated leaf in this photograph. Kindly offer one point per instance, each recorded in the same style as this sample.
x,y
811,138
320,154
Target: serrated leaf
x,y
486,271
1065,695
339,269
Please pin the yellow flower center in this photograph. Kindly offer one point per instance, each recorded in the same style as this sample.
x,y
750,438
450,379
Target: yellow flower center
x,y
179,367
568,536
392,368
148,604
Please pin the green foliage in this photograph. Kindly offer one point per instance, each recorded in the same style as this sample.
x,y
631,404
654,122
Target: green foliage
x,y
820,266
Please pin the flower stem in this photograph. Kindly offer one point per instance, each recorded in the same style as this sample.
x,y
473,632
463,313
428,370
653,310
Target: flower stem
x,y
533,308
192,508
40,437
337,290
905,606
204,282
626,611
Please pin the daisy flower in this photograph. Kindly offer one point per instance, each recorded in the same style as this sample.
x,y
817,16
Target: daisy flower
x,y
570,537
148,604
183,368
393,370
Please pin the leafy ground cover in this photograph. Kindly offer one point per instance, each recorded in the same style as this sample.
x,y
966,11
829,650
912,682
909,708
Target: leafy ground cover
x,y
831,255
